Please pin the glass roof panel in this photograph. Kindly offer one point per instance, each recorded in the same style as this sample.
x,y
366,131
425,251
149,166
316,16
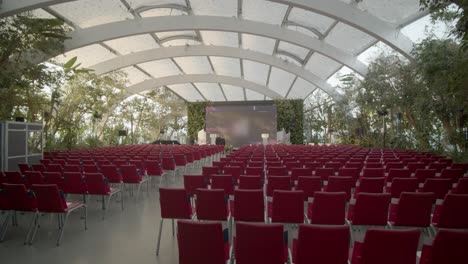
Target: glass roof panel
x,y
40,13
294,49
211,91
303,31
255,72
335,79
289,59
194,65
167,34
187,91
226,66
391,11
301,89
160,68
257,43
134,75
87,56
422,28
322,66
373,52
280,81
220,38
139,3
233,93
263,11
181,42
348,38
162,12
253,95
214,7
132,44
88,13
311,19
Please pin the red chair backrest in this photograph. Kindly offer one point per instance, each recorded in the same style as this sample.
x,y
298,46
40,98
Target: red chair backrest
x,y
19,198
288,207
278,183
438,186
324,173
194,182
168,163
398,173
235,171
371,185
449,246
225,182
90,169
49,198
400,185
277,171
297,172
111,173
129,174
390,246
75,183
250,182
34,177
322,244
309,185
23,168
39,167
352,172
208,171
97,184
175,203
340,184
249,205
259,243
414,209
328,208
453,174
211,204
371,209
153,168
454,211
14,177
54,178
254,171
462,186
373,172
71,168
200,242
54,168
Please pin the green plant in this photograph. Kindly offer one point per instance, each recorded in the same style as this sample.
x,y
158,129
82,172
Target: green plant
x,y
195,118
290,116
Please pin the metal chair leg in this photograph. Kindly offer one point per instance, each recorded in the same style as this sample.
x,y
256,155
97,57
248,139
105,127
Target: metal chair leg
x,y
31,226
173,229
121,200
36,227
63,228
159,236
4,227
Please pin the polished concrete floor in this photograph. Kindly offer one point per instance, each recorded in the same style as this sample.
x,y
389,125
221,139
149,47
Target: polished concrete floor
x,y
127,236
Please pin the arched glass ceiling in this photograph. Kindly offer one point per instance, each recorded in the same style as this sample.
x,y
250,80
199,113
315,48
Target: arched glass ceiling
x,y
263,48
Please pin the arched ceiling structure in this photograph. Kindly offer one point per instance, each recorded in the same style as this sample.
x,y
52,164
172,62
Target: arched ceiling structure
x,y
227,50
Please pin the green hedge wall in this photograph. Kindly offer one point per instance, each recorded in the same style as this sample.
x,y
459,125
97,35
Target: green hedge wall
x,y
290,116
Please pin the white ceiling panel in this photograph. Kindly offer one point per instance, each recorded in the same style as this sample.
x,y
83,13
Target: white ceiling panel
x,y
194,65
88,13
303,30
134,75
162,12
289,59
88,55
310,19
132,44
253,95
280,81
187,91
226,66
391,11
220,38
263,11
211,91
322,66
167,34
160,68
233,93
257,43
301,89
214,7
294,49
348,38
255,72
181,42
139,3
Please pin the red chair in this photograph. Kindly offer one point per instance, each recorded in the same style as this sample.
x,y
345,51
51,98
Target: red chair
x,y
201,242
75,183
34,177
97,185
181,161
50,200
153,169
397,173
15,177
131,177
287,207
248,206
277,171
225,182
440,187
438,166
328,208
449,246
39,167
174,204
414,166
207,172
54,168
212,205
453,174
370,209
54,178
90,169
278,183
194,182
423,174
413,209
387,247
309,185
23,167
394,165
112,174
400,185
297,172
370,185
452,213
340,184
324,173
235,172
462,186
250,182
333,165
373,173
17,198
321,244
260,243
71,168
258,171
168,164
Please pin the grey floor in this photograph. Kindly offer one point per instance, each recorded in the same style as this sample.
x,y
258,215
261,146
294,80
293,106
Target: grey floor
x,y
127,236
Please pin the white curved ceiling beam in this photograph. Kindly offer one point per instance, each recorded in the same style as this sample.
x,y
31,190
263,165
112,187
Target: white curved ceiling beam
x,y
359,19
201,78
221,51
100,33
11,7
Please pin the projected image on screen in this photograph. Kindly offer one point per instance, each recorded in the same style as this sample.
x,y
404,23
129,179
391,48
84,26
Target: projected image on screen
x,y
242,124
